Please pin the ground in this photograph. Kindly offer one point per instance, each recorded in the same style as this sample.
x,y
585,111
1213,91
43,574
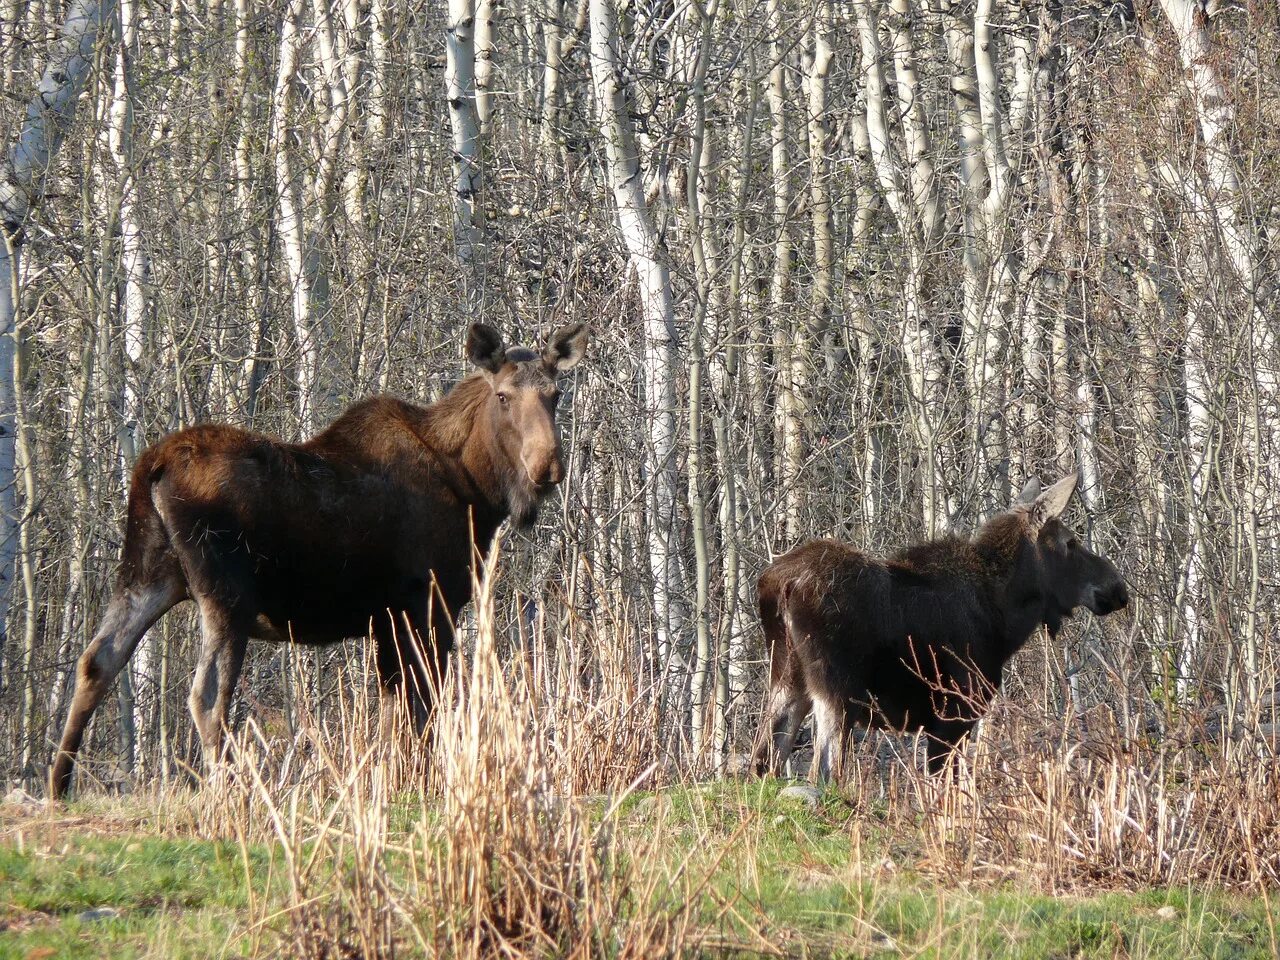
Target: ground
x,y
108,877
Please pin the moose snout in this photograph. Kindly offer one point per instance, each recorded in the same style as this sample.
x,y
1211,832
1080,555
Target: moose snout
x,y
544,471
1109,598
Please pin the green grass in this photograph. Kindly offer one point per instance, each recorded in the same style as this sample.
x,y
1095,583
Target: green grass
x,y
819,883
175,897
813,890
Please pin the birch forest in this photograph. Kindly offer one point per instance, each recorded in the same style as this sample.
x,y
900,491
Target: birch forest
x,y
852,268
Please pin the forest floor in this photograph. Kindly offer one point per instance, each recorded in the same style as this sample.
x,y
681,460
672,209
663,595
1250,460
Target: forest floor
x,y
780,876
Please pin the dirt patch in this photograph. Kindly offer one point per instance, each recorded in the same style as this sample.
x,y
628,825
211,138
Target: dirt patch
x,y
16,919
42,825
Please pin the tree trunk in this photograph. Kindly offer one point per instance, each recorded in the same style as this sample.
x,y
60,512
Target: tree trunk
x,y
460,90
22,185
924,359
648,261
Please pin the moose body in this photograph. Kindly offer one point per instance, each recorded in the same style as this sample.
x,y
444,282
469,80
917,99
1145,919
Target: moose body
x,y
917,640
374,524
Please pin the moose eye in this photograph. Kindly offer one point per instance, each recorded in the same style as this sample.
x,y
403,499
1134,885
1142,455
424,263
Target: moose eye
x,y
503,398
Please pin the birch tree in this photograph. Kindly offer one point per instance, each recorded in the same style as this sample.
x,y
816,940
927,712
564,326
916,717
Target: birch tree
x,y
923,358
661,346
23,180
1219,211
460,85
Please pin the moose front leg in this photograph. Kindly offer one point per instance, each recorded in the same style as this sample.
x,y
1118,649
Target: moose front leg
x,y
412,649
130,613
943,737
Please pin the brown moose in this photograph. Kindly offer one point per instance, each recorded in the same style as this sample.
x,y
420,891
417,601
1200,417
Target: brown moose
x,y
918,640
376,522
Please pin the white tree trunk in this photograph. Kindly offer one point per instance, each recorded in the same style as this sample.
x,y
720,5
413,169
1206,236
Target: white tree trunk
x,y
460,91
308,285
1220,213
915,129
660,340
925,365
132,313
1198,445
988,341
549,124
788,452
22,184
486,60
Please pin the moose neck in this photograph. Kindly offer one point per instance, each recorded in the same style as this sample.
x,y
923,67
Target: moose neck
x,y
1013,569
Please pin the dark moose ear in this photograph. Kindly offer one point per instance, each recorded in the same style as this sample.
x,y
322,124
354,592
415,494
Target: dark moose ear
x,y
484,347
566,347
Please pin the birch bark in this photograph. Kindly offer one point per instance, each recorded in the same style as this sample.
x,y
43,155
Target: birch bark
x,y
1220,209
925,365
308,313
23,177
460,90
132,312
648,260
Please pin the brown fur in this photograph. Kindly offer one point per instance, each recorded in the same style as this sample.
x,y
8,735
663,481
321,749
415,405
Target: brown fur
x,y
375,523
917,640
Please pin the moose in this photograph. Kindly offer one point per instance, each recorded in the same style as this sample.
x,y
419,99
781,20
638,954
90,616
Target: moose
x,y
918,640
376,523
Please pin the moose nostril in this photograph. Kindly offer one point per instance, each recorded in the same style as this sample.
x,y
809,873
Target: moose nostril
x,y
1112,599
543,474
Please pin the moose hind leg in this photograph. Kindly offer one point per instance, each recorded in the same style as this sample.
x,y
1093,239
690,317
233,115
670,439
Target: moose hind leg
x,y
224,638
130,613
786,710
829,738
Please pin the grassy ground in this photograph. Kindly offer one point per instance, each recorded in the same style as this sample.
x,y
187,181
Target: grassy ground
x,y
775,878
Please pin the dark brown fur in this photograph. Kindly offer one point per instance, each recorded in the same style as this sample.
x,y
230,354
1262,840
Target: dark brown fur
x,y
917,640
372,524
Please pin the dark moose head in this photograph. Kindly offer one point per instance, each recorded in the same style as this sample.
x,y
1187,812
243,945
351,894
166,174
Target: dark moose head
x,y
1071,575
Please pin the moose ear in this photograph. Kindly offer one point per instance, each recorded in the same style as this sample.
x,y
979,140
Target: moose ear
x,y
566,347
1029,493
1050,504
484,347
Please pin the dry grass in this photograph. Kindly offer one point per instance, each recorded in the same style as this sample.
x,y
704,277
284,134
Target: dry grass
x,y
512,833
1114,813
499,856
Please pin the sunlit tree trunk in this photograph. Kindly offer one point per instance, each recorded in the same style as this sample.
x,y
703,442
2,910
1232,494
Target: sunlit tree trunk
x,y
309,319
788,450
22,185
1220,209
708,306
132,311
486,55
923,357
660,352
460,91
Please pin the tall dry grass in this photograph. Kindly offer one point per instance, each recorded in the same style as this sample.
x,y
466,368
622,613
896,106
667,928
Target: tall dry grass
x,y
478,841
498,837
1082,804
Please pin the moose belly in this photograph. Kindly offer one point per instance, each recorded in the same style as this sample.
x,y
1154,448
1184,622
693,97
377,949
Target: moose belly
x,y
333,608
